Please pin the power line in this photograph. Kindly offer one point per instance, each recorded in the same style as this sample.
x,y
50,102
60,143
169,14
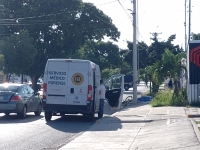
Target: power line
x,y
53,14
107,3
130,18
125,11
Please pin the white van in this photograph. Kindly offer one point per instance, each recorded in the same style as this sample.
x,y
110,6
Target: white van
x,y
70,86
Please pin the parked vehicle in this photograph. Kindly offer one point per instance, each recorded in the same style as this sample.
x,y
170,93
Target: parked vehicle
x,y
20,99
71,87
128,82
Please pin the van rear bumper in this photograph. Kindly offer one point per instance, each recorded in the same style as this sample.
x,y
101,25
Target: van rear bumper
x,y
68,109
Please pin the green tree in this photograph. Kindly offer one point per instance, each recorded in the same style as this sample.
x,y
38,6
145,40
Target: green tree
x,y
142,52
106,73
19,53
2,60
105,54
196,36
172,65
59,28
157,48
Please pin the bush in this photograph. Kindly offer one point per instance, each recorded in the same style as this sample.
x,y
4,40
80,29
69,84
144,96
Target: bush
x,y
166,98
162,98
181,100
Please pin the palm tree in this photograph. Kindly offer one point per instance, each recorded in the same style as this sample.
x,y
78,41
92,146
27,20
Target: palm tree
x,y
172,65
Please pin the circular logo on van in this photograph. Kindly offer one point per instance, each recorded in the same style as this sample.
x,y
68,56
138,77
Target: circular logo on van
x,y
77,79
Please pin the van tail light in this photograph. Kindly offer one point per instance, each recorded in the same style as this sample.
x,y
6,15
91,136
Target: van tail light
x,y
15,98
44,90
89,92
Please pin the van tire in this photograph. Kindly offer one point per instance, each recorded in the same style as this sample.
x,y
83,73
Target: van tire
x,y
48,116
91,117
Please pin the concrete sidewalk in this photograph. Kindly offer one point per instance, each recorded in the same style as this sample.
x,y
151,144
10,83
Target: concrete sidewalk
x,y
141,127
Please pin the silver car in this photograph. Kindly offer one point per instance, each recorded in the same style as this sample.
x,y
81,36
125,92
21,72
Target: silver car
x,y
20,99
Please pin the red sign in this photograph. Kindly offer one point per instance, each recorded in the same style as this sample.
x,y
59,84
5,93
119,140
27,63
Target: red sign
x,y
195,56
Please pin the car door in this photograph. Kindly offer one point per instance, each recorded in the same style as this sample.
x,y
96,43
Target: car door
x,y
114,91
33,98
26,97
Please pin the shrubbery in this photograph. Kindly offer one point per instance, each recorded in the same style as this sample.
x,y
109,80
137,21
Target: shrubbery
x,y
167,98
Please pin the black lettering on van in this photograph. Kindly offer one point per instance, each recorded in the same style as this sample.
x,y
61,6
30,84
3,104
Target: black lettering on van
x,y
57,78
56,82
57,73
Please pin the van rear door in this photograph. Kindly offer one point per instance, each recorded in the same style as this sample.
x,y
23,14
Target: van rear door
x,y
57,74
114,90
78,83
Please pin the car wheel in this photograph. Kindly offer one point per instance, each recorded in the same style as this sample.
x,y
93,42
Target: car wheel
x,y
38,112
23,113
7,114
48,116
91,116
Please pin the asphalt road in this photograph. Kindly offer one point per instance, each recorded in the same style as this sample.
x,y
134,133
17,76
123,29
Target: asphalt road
x,y
34,133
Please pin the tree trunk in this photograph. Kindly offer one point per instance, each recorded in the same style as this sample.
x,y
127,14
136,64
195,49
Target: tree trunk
x,y
155,87
150,87
22,78
34,80
176,88
8,77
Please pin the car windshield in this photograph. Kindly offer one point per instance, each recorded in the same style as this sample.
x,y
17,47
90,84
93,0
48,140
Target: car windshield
x,y
12,88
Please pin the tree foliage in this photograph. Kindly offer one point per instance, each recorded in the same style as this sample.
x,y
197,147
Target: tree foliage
x,y
58,28
105,54
196,36
19,53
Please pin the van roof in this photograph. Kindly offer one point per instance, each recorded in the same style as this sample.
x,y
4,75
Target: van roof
x,y
61,59
70,60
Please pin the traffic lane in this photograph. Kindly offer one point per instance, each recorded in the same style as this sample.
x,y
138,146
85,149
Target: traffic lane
x,y
34,129
34,133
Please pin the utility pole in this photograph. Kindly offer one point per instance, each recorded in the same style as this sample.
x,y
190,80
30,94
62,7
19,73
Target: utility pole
x,y
138,50
189,30
134,52
185,25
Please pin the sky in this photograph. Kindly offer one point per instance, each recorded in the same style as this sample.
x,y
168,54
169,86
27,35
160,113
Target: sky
x,y
162,16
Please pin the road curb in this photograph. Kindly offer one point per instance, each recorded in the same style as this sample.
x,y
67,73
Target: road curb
x,y
196,130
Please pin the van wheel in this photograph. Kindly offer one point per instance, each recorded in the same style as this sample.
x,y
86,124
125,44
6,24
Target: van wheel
x,y
48,116
91,117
